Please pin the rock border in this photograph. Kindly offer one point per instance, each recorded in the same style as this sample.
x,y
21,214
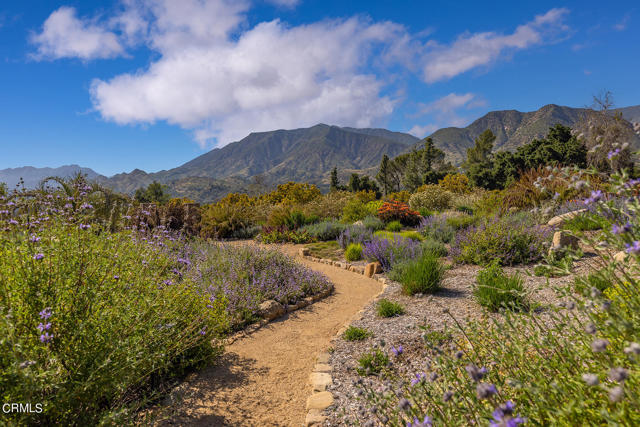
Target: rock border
x,y
320,399
287,309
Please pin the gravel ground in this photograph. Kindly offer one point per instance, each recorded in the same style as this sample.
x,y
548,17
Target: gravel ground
x,y
427,311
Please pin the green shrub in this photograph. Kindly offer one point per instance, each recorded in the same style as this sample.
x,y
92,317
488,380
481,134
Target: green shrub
x,y
494,289
582,223
507,240
461,221
393,226
419,276
435,247
325,230
373,223
353,333
409,234
431,197
386,308
353,252
372,362
424,212
436,228
355,210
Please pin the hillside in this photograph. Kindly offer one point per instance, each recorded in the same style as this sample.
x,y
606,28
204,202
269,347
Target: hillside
x,y
514,128
306,154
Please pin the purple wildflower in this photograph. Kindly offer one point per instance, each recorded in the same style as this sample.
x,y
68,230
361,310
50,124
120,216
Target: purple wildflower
x,y
613,153
426,422
503,416
84,226
617,229
86,206
44,326
46,313
46,337
420,378
475,373
633,248
397,351
38,256
13,222
485,390
34,239
167,282
596,196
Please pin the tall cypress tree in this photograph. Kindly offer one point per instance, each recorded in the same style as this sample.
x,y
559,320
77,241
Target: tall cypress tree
x,y
335,183
384,175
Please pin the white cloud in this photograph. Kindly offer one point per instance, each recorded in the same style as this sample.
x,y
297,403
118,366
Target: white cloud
x,y
446,109
217,77
285,3
271,76
63,35
624,22
422,131
474,50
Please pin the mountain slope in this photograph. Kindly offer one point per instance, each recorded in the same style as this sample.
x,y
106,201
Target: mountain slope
x,y
512,129
32,176
306,154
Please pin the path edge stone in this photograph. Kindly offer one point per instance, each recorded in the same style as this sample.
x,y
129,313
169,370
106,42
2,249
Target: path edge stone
x,y
320,399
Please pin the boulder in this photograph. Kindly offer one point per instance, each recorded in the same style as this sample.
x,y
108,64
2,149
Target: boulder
x,y
620,256
271,309
304,252
372,268
562,241
558,220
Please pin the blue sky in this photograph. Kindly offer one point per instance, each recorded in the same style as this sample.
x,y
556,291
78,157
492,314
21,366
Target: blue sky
x,y
150,84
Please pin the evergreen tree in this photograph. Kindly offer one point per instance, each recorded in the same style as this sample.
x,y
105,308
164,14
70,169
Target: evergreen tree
x,y
335,182
384,175
154,193
354,183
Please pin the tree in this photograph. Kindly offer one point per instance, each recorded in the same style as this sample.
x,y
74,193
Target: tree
x,y
607,136
154,193
3,189
384,175
481,151
335,182
354,183
425,166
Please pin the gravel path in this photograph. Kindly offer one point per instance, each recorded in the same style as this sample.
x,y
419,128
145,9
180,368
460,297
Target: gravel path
x,y
262,379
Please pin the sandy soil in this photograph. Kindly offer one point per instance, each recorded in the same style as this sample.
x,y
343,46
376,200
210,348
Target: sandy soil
x,y
262,379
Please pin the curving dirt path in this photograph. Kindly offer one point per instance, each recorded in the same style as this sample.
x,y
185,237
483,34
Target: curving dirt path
x,y
262,379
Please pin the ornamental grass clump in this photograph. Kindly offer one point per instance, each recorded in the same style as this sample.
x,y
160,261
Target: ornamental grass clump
x,y
387,308
504,239
577,362
353,333
421,275
353,252
496,290
354,234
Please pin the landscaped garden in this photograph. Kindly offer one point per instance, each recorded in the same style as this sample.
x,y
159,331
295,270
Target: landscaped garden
x,y
511,296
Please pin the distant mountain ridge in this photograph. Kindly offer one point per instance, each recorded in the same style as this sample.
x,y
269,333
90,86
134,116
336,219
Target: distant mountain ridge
x,y
514,128
306,154
32,176
263,159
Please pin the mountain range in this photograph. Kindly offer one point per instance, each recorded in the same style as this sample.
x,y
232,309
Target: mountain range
x,y
263,159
